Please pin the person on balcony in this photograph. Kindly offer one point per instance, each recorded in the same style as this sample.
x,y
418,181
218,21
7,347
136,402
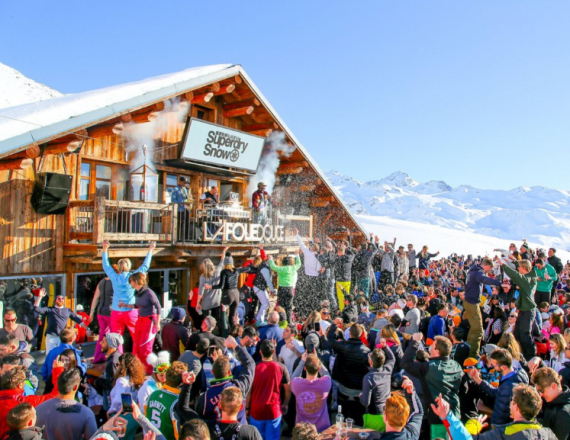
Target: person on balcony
x,y
260,201
123,292
181,196
210,199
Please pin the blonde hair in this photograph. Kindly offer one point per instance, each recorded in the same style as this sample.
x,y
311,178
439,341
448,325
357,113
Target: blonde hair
x,y
229,267
207,268
389,332
124,265
567,336
509,342
525,264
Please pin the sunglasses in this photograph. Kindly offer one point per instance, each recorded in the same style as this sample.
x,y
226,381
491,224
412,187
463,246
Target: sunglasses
x,y
9,320
162,368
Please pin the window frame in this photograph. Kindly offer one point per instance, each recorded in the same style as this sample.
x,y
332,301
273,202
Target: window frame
x,y
93,179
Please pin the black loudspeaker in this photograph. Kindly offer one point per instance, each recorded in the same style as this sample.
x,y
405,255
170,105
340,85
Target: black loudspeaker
x,y
51,193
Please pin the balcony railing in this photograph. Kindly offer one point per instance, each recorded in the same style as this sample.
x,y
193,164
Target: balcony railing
x,y
93,221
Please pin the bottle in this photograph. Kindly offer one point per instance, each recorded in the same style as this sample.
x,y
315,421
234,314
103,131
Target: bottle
x,y
339,418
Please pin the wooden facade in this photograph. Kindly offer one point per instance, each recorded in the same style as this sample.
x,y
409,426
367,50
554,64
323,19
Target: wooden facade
x,y
35,244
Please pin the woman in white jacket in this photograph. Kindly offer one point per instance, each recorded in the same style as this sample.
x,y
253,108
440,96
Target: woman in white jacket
x,y
129,378
160,364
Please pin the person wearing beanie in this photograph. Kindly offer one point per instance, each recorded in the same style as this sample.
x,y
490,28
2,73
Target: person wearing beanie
x,y
260,201
175,333
110,348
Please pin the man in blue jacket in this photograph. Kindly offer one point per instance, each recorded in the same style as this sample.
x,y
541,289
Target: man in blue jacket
x,y
502,361
67,338
476,278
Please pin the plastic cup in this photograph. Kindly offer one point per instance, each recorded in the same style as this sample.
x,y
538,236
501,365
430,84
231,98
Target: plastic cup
x,y
349,424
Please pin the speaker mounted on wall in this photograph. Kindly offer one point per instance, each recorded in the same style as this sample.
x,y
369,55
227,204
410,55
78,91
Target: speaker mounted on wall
x,y
51,193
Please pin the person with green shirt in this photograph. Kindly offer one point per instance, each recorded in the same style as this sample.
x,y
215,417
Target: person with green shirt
x,y
546,278
287,280
526,281
160,407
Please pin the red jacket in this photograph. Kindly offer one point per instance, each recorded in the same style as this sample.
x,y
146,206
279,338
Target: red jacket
x,y
251,276
11,398
257,196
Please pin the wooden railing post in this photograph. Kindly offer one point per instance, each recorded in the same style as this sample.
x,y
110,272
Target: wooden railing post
x,y
174,228
99,220
310,228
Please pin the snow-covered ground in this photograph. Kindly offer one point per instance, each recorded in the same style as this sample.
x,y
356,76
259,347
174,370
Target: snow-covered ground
x,y
463,219
17,89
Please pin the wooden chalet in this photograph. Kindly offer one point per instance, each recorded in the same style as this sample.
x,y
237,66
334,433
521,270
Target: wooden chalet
x,y
93,138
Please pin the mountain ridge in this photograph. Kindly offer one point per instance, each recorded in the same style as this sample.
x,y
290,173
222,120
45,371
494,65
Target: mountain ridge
x,y
538,213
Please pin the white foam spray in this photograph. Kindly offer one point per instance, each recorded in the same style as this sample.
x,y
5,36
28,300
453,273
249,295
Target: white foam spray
x,y
275,146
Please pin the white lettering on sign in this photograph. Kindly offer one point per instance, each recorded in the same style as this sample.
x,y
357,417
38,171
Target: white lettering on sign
x,y
244,232
215,144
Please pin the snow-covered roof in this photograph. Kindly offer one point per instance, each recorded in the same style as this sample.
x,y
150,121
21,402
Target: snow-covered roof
x,y
46,119
58,115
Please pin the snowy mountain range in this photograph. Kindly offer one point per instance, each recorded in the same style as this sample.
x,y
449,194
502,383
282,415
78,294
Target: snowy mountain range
x,y
17,89
541,215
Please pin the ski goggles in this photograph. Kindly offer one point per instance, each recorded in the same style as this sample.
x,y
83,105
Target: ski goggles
x,y
161,368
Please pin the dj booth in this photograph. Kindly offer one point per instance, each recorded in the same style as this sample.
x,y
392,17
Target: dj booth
x,y
224,212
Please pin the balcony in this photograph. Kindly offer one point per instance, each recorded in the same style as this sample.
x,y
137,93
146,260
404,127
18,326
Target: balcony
x,y
90,222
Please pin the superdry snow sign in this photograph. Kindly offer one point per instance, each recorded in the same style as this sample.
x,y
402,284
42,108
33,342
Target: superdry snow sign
x,y
218,145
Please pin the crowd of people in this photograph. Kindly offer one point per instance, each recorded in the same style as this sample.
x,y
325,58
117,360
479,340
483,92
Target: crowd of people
x,y
406,343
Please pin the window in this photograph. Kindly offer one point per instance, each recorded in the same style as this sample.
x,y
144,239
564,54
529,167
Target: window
x,y
123,177
85,181
203,113
103,180
103,177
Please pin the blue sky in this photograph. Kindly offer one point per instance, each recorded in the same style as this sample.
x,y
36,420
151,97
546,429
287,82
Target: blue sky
x,y
467,92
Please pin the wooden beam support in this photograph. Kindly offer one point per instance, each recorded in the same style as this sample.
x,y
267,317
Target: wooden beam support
x,y
289,171
239,112
189,96
30,153
326,199
240,104
213,87
62,147
318,204
225,90
238,79
16,164
261,126
105,130
263,132
307,188
127,117
202,97
141,118
286,165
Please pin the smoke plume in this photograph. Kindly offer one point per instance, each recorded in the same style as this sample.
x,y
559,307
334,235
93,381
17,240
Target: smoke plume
x,y
275,145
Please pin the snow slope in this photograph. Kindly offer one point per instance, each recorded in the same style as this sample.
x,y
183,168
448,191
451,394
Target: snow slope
x,y
463,219
17,89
